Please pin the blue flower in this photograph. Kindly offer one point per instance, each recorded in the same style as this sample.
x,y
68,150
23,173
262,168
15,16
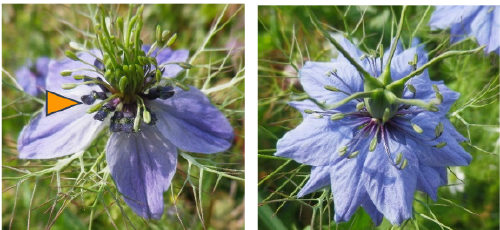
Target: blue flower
x,y
374,152
482,22
142,161
31,77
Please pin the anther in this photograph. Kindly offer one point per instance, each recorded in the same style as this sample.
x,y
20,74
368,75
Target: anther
x,y
440,145
353,155
331,88
439,129
417,128
404,164
342,151
337,116
308,111
399,158
360,106
373,144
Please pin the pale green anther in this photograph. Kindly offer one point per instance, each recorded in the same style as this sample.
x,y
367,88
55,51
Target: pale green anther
x,y
328,73
147,116
411,63
362,57
181,85
158,33
172,39
78,77
331,88
417,128
119,22
337,116
360,106
71,55
434,108
342,149
439,96
185,65
123,83
405,163
435,88
440,145
439,129
381,50
137,121
353,155
164,35
66,73
412,88
119,107
317,115
308,111
399,158
75,46
373,144
342,153
94,108
68,86
386,116
158,76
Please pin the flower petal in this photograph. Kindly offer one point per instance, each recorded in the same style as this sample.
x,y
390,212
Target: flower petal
x,y
142,166
192,123
168,55
370,208
320,177
313,78
347,183
444,16
62,133
391,189
430,178
314,141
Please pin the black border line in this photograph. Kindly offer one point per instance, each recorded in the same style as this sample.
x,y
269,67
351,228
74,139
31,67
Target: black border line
x,y
47,102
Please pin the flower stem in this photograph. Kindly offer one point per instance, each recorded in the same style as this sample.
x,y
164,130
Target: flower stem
x,y
386,76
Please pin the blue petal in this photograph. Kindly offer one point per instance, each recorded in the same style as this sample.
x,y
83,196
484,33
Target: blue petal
x,y
444,16
33,82
168,55
480,26
430,178
399,64
370,208
55,79
391,189
313,78
494,44
60,134
142,166
355,53
347,182
314,141
192,123
320,178
450,155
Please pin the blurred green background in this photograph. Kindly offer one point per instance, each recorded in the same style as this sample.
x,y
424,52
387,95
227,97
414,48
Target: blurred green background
x,y
32,31
286,36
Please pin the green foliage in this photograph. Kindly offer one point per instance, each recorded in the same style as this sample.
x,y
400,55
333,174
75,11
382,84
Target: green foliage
x,y
288,38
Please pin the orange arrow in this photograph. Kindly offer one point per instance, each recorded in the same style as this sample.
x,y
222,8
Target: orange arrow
x,y
56,103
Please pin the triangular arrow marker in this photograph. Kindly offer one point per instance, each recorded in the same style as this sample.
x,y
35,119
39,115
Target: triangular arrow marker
x,y
56,103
